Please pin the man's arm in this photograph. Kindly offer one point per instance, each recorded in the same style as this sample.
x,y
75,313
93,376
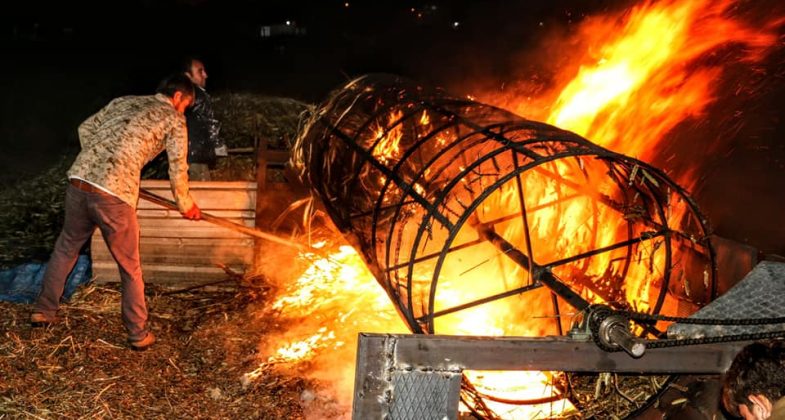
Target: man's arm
x,y
177,153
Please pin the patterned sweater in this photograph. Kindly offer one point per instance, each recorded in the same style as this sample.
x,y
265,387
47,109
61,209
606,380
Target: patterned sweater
x,y
126,134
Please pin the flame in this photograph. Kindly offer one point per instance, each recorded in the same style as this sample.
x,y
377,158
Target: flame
x,y
644,73
425,120
323,310
388,139
654,74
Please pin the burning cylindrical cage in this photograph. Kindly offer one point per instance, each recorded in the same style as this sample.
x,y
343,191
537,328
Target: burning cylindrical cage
x,y
464,211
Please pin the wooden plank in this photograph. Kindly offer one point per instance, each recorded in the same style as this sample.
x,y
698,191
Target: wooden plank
x,y
163,184
212,201
245,242
111,268
280,186
190,255
208,195
261,168
195,255
194,232
261,196
160,212
278,157
185,224
179,251
180,275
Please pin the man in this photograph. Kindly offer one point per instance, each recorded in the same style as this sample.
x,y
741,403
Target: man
x,y
204,145
104,188
754,386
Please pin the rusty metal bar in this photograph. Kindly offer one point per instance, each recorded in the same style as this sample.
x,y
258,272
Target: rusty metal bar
x,y
539,273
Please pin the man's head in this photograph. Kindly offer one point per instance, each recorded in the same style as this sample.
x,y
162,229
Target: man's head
x,y
755,380
194,69
179,89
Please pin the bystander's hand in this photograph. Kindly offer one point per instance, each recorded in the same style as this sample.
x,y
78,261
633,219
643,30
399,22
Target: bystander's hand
x,y
193,213
222,151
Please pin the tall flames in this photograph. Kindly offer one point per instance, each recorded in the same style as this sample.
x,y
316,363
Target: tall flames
x,y
642,74
638,79
655,73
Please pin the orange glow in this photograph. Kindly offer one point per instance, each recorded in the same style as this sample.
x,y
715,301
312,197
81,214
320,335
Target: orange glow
x,y
425,119
323,310
387,148
644,81
643,73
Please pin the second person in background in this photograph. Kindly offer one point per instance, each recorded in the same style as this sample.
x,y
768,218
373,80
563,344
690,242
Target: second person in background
x,y
204,142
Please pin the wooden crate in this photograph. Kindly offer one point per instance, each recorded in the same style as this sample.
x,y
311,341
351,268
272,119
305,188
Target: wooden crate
x,y
179,251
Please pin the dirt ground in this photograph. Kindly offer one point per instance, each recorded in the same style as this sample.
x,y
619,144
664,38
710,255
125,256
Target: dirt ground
x,y
207,341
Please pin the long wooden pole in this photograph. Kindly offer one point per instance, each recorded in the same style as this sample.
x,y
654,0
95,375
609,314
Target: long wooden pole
x,y
220,221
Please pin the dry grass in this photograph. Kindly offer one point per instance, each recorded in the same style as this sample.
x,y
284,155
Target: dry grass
x,y
81,367
31,215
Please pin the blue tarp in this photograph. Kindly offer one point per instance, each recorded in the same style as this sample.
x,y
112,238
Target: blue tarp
x,y
23,283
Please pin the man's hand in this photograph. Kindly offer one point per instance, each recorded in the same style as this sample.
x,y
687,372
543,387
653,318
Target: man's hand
x,y
222,151
193,213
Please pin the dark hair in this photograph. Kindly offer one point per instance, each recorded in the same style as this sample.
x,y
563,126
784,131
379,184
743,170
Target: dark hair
x,y
177,82
758,368
187,62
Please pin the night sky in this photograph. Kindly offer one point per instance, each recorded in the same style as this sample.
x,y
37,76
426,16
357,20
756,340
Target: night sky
x,y
61,68
60,65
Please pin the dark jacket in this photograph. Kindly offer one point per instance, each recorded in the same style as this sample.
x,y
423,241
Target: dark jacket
x,y
203,129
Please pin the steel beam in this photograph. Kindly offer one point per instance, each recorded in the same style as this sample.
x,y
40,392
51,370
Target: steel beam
x,y
383,357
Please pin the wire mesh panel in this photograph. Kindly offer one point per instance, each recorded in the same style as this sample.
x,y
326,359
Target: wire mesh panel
x,y
477,221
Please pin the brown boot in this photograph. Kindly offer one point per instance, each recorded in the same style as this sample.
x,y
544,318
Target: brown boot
x,y
143,344
39,320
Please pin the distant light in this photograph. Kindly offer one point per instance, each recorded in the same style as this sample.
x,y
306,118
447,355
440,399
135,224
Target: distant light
x,y
456,24
346,4
288,23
